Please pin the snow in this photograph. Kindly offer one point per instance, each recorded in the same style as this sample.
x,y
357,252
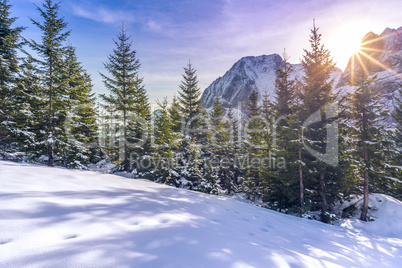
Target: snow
x,y
52,217
251,73
386,212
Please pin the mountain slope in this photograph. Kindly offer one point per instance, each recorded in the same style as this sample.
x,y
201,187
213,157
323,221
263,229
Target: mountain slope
x,y
52,217
383,60
381,57
248,74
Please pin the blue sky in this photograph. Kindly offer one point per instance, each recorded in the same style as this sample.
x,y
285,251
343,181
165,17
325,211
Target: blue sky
x,y
214,34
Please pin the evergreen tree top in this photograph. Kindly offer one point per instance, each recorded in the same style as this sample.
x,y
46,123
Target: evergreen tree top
x,y
53,28
284,89
318,65
9,43
252,105
6,21
126,91
189,93
218,112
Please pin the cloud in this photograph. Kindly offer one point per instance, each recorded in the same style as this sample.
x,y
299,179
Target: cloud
x,y
102,14
154,26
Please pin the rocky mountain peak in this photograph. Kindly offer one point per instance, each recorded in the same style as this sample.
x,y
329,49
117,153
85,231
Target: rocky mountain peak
x,y
249,73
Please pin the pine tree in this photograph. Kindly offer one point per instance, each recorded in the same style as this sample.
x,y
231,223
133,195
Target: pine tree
x,y
32,106
284,89
219,128
176,117
255,124
82,121
165,137
234,154
190,101
219,146
51,66
255,145
234,138
165,140
127,96
369,137
295,126
284,180
397,115
318,65
108,128
189,94
10,42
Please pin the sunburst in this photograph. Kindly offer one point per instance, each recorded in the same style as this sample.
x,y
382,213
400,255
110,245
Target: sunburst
x,y
364,54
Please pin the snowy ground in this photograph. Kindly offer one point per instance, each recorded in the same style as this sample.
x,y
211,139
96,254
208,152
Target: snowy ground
x,y
52,217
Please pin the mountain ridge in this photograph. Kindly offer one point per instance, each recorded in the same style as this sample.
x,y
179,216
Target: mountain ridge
x,y
383,57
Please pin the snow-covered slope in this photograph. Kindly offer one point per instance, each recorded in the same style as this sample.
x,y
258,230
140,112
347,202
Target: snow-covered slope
x,y
384,210
52,217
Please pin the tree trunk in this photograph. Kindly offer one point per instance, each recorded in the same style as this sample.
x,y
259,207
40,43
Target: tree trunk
x,y
125,139
363,217
322,191
301,186
50,115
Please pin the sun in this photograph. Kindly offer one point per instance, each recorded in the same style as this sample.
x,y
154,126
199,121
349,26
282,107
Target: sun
x,y
344,42
347,44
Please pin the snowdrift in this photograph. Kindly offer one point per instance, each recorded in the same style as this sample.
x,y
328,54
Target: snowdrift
x,y
53,217
385,213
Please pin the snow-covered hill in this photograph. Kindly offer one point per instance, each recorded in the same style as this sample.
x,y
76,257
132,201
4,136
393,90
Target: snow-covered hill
x,y
53,217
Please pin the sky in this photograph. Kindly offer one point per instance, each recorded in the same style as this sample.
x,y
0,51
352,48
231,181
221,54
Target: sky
x,y
212,34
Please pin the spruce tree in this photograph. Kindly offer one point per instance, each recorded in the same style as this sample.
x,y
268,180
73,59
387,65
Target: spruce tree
x,y
165,136
295,126
51,67
219,146
369,137
108,129
219,128
254,145
317,93
255,124
32,103
234,153
234,138
127,96
165,140
190,101
284,180
10,42
176,117
189,94
82,125
284,88
397,115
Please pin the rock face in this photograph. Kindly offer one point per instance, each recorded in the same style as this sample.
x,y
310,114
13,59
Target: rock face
x,y
248,74
381,55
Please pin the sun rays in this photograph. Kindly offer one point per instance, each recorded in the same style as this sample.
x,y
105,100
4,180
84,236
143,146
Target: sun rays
x,y
361,59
